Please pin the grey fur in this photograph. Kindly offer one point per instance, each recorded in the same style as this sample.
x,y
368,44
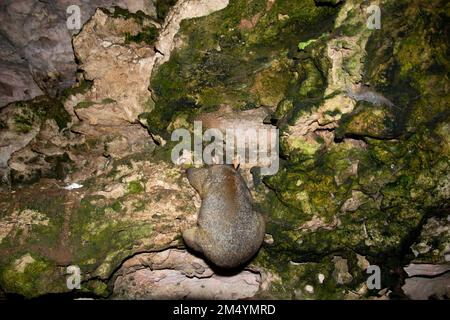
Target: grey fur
x,y
363,93
228,231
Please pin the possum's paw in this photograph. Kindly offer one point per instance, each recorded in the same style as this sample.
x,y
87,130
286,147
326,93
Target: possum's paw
x,y
191,239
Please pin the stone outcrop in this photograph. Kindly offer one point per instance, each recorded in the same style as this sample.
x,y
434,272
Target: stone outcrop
x,y
176,274
112,64
353,116
36,46
119,51
429,271
135,205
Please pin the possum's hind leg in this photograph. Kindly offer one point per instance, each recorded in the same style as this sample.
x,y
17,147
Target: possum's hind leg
x,y
197,177
261,229
193,238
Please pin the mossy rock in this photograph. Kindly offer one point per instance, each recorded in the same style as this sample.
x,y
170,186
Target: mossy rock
x,y
79,88
135,187
32,276
33,113
95,249
224,63
163,7
148,35
369,121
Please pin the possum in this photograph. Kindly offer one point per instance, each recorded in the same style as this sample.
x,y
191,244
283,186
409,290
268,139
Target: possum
x,y
228,231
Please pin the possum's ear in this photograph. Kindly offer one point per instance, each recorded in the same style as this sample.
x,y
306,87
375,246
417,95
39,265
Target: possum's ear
x,y
236,164
197,177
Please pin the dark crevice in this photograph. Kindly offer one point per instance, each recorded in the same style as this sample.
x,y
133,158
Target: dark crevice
x,y
430,276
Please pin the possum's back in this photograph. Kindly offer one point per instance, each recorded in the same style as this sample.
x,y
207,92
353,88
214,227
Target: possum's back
x,y
227,215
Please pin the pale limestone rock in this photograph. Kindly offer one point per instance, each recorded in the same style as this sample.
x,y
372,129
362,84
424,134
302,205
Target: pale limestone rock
x,y
321,278
268,238
317,222
433,245
419,288
21,263
177,274
309,289
36,54
120,72
31,159
341,273
342,53
13,137
363,263
21,221
426,269
184,9
357,199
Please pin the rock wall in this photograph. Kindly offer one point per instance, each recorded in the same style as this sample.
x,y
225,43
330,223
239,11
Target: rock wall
x,y
364,152
363,129
36,52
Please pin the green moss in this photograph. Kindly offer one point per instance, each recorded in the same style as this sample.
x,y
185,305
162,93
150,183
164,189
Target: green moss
x,y
3,125
108,101
32,277
311,80
223,63
117,206
164,153
303,45
139,16
270,85
87,104
163,7
139,205
48,207
100,238
135,187
80,88
284,108
33,112
403,171
333,113
369,121
400,181
148,35
97,287
84,104
300,148
22,123
148,32
412,78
